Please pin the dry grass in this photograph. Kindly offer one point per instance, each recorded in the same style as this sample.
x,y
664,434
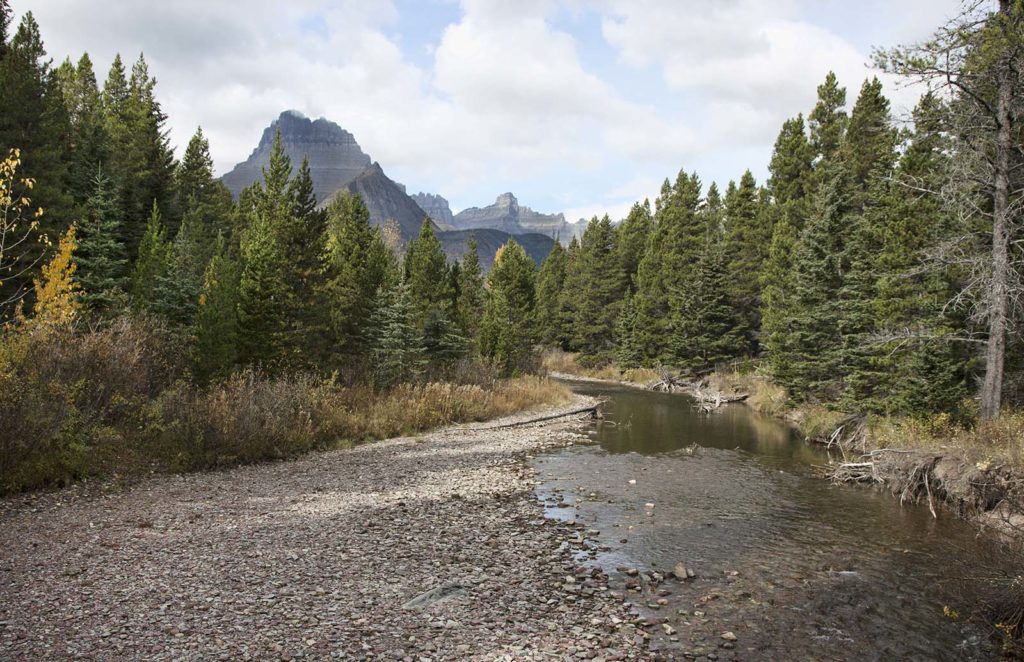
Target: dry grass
x,y
998,442
113,401
765,397
556,360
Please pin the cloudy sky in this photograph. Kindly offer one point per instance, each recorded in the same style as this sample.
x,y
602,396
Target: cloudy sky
x,y
580,106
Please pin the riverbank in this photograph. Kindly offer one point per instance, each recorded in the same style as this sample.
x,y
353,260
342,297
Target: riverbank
x,y
978,473
428,547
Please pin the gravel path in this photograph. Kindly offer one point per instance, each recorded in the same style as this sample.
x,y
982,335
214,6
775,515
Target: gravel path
x,y
314,558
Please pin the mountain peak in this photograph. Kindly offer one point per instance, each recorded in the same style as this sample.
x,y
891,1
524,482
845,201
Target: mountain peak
x,y
335,157
507,201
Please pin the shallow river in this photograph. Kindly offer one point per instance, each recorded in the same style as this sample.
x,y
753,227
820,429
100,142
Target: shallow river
x,y
794,567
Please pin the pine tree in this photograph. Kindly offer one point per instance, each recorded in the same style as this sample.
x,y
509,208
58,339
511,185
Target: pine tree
x,y
90,148
101,259
790,189
632,240
142,162
668,267
471,294
398,354
598,299
426,272
153,261
215,350
199,193
828,119
627,353
356,266
706,325
572,283
262,298
507,332
550,283
868,155
747,236
814,344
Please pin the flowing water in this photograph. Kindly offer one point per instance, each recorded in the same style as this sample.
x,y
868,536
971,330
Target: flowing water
x,y
795,567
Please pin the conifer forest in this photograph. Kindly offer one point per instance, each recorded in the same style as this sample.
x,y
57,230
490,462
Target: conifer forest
x,y
869,291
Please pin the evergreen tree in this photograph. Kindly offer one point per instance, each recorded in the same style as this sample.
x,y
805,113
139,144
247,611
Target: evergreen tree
x,y
598,299
828,119
471,293
426,271
627,353
667,269
507,331
398,354
101,259
356,267
199,193
790,189
153,262
215,350
568,302
263,297
747,236
814,345
549,296
706,326
142,162
89,144
632,240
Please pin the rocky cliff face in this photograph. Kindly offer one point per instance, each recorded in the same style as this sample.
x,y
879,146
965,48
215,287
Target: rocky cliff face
x,y
437,208
507,215
335,159
386,201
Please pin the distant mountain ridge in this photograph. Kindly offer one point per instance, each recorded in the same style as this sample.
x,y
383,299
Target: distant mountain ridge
x,y
508,215
337,163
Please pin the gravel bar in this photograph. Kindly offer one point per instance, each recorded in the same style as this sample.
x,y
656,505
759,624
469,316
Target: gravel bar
x,y
419,548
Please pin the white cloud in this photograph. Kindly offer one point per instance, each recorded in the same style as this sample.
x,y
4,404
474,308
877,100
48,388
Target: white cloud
x,y
506,97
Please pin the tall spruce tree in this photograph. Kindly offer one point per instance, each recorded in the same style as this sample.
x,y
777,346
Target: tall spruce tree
x,y
602,285
152,263
215,350
790,188
356,267
668,266
100,258
550,282
632,240
747,236
471,294
507,332
426,272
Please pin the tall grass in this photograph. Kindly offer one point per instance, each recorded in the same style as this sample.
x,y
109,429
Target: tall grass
x,y
114,401
556,360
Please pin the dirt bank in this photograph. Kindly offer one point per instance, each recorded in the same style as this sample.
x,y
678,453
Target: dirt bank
x,y
324,556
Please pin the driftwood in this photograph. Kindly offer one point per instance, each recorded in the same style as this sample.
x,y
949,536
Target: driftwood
x,y
708,399
592,410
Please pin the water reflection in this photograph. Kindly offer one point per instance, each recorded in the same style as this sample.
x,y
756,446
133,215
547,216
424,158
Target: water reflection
x,y
795,566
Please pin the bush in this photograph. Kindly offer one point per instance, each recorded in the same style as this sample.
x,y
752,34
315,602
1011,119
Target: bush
x,y
116,400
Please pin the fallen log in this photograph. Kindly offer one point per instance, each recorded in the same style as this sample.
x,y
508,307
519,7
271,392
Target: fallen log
x,y
592,410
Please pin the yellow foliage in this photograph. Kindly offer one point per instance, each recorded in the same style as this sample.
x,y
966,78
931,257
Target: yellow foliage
x,y
56,303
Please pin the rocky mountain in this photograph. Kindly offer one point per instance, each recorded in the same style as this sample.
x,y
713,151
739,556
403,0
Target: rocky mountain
x,y
335,158
337,163
436,207
386,201
507,215
456,243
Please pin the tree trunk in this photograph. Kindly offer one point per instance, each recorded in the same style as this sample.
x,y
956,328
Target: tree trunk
x,y
992,388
